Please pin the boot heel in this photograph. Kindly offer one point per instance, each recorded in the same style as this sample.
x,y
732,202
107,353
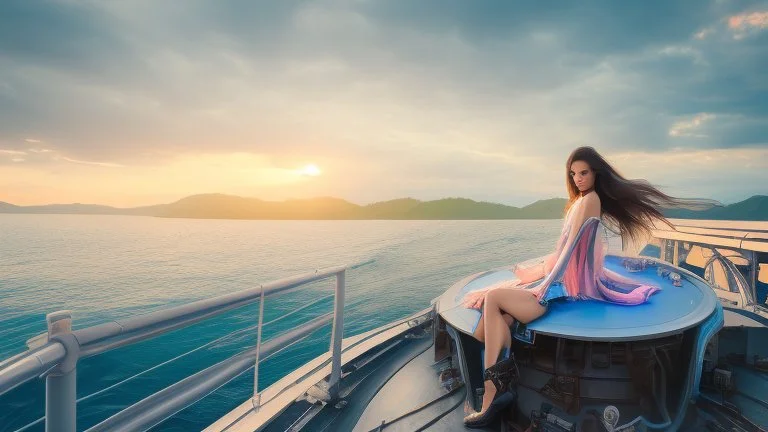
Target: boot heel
x,y
500,402
504,376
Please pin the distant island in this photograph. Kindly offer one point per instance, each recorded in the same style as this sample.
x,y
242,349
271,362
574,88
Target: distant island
x,y
221,206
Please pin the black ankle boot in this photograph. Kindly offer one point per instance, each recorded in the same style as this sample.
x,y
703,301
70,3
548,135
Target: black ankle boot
x,y
504,376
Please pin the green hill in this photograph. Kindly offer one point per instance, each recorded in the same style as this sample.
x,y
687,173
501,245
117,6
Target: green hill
x,y
393,209
462,208
754,208
552,206
222,206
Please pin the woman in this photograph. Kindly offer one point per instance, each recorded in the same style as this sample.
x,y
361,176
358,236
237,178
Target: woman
x,y
595,190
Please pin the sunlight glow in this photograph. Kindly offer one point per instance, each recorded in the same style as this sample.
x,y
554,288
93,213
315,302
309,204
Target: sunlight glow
x,y
310,170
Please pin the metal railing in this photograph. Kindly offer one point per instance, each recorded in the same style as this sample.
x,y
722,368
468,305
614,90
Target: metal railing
x,y
55,354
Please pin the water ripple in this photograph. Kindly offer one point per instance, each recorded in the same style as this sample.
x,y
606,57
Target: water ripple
x,y
108,267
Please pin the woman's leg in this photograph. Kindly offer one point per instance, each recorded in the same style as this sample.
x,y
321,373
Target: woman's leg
x,y
521,305
479,333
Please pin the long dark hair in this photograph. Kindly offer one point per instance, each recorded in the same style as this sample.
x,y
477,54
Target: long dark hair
x,y
630,205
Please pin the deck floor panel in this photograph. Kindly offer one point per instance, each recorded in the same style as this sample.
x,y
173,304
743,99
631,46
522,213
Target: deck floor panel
x,y
413,386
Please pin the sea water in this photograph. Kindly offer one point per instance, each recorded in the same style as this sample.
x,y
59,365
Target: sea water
x,y
109,267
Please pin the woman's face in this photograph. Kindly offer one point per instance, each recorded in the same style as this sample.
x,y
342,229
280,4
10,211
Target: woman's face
x,y
582,175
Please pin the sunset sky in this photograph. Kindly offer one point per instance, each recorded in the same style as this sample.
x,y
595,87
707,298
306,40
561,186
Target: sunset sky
x,y
142,102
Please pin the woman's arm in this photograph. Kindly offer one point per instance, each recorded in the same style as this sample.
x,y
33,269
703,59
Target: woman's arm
x,y
534,272
589,208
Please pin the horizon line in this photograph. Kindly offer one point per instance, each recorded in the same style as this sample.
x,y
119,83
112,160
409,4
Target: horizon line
x,y
304,199
267,200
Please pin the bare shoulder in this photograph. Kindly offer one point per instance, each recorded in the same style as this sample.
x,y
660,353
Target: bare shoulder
x,y
592,197
592,204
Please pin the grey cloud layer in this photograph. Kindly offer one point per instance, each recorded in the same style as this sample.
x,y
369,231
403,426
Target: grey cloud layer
x,y
127,81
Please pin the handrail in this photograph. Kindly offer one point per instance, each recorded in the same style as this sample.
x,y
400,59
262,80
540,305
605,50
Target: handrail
x,y
746,241
28,365
56,359
732,274
153,409
757,226
107,336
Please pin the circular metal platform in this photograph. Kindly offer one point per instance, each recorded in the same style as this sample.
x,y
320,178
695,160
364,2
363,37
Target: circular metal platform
x,y
669,311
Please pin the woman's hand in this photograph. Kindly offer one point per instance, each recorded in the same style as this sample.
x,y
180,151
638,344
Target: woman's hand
x,y
530,274
475,299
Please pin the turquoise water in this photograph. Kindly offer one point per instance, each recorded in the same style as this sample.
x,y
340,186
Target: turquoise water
x,y
107,267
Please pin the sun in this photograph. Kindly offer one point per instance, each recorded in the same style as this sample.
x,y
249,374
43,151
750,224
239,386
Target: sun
x,y
310,170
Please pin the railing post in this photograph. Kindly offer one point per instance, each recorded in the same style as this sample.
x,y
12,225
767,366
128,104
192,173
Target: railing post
x,y
256,400
337,334
676,253
60,384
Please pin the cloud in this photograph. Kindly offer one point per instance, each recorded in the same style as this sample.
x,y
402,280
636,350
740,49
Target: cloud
x,y
745,22
12,152
737,26
47,157
32,141
687,128
701,173
434,91
82,162
703,33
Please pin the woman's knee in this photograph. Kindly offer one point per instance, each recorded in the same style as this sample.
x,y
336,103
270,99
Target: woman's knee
x,y
521,306
493,297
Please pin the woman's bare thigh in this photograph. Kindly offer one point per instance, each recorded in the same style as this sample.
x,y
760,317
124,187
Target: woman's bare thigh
x,y
480,329
521,305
